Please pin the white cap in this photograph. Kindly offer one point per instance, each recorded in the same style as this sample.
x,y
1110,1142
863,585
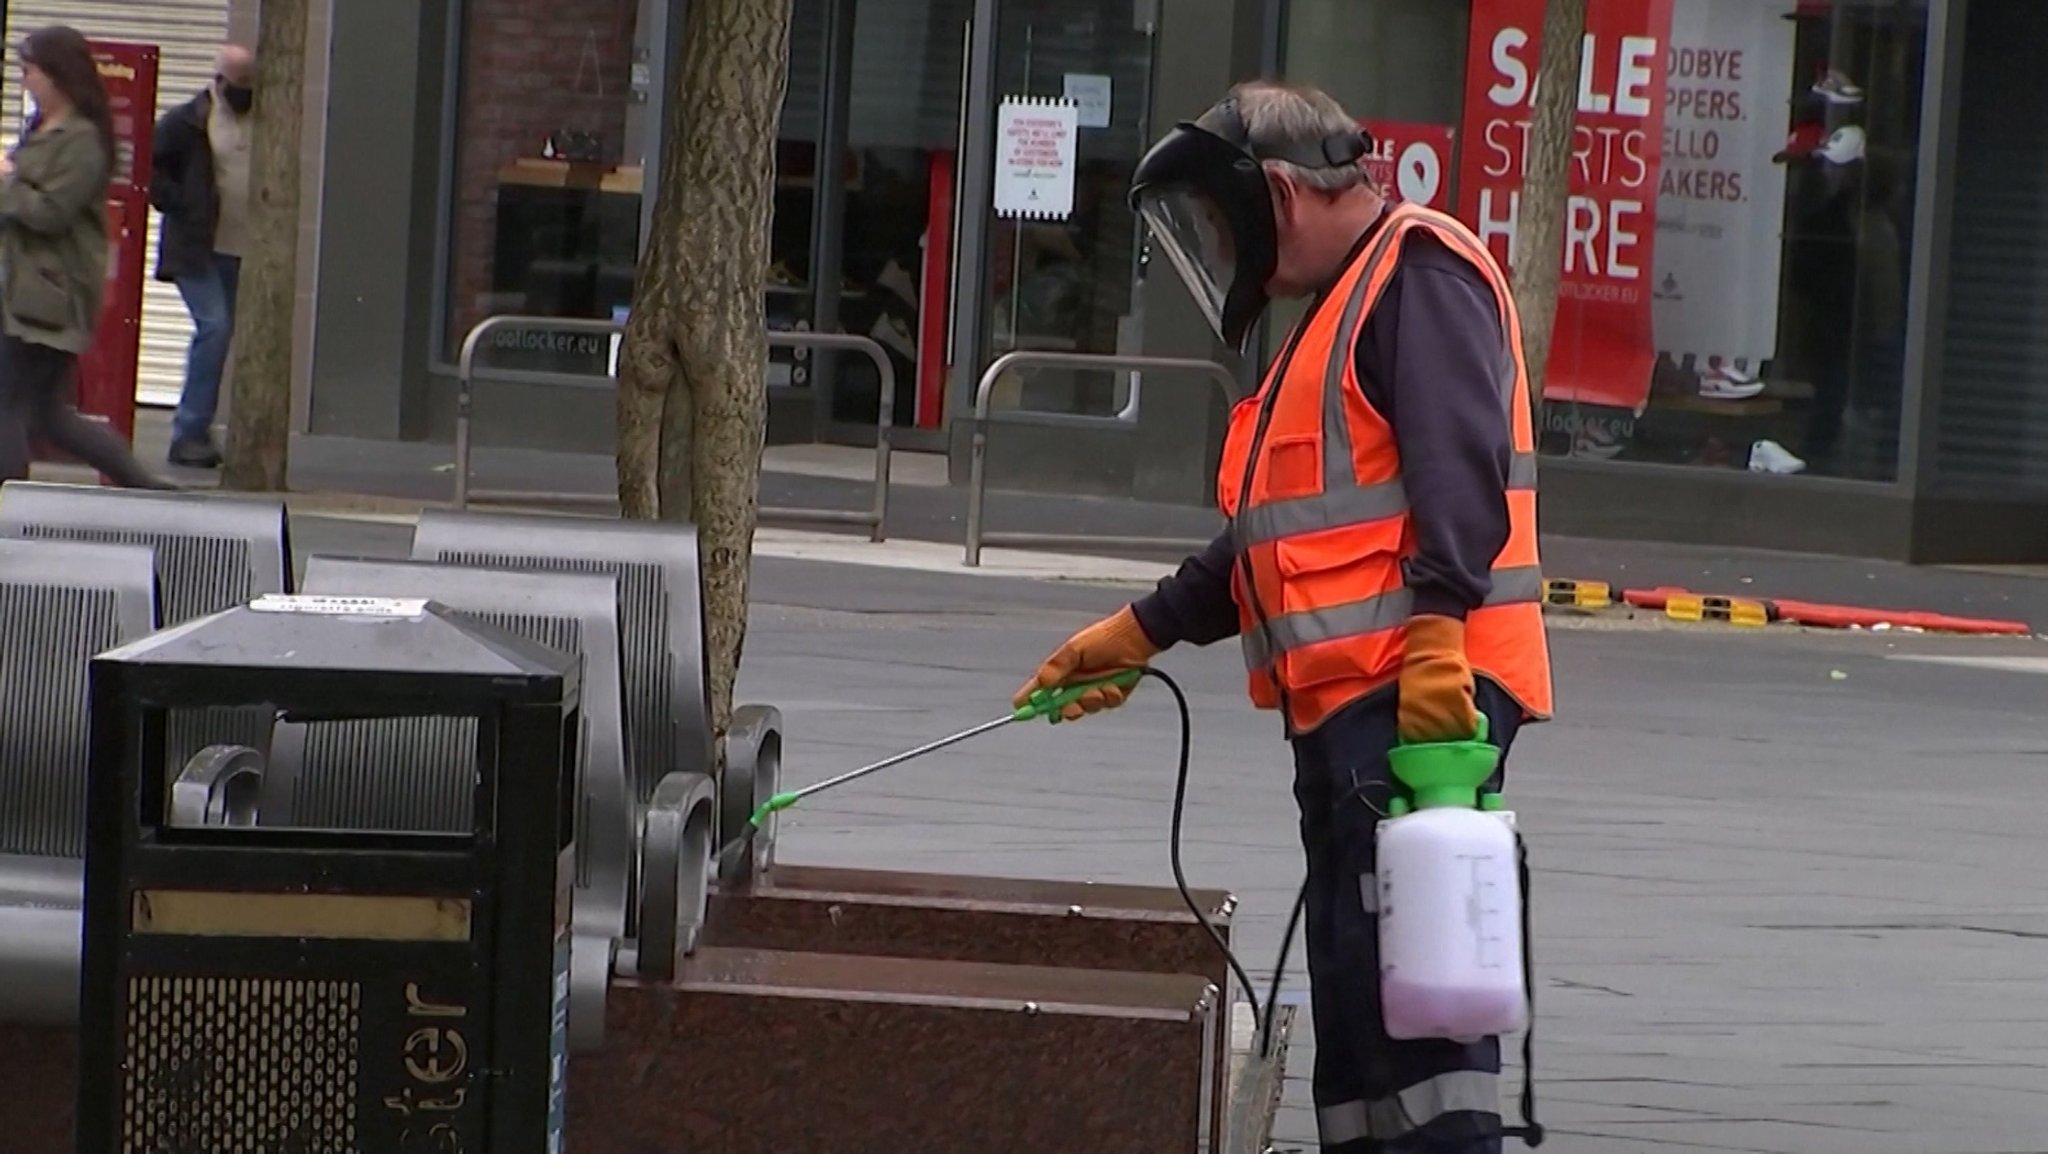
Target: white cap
x,y
1843,146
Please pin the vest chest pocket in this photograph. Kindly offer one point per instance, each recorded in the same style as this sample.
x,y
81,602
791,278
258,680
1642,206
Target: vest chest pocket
x,y
1338,566
1293,467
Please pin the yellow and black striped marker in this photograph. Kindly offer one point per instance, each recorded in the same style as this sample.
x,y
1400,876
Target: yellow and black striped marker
x,y
1578,594
1731,610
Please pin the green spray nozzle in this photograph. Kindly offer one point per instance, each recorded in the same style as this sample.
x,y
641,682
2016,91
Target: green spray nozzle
x,y
1048,703
776,804
1446,774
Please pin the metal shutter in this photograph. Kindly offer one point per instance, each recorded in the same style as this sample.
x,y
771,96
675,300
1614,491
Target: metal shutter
x,y
188,33
1991,424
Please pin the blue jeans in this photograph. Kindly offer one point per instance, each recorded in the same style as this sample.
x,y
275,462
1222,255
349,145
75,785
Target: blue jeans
x,y
1375,1095
210,298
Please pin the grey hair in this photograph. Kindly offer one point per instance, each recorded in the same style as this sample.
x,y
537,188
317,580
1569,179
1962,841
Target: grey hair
x,y
1295,116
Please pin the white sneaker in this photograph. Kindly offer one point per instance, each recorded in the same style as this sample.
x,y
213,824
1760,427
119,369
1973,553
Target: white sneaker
x,y
897,280
1836,88
1725,382
891,332
1771,457
1596,442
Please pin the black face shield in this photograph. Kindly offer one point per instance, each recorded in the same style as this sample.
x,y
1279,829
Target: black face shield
x,y
1202,192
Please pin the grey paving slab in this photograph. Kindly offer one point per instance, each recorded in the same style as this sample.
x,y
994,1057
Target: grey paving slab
x,y
1792,898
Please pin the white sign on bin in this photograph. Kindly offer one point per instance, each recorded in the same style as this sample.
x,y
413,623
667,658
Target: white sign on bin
x,y
321,606
1035,157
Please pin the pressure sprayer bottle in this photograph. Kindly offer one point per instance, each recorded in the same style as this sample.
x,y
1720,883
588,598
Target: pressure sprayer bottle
x,y
1450,900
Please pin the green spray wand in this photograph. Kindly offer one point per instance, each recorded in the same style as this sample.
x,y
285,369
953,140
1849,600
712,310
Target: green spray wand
x,y
1043,703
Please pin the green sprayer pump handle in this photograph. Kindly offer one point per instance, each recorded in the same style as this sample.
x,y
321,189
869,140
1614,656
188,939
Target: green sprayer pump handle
x,y
1048,703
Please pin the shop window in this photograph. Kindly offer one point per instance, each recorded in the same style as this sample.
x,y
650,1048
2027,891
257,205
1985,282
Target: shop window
x,y
1783,211
802,172
902,129
551,133
1736,265
1065,285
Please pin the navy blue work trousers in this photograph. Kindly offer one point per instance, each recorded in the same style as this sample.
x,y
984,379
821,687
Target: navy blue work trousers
x,y
1374,1095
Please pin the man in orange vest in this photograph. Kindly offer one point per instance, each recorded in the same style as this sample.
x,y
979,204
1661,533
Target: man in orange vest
x,y
1380,562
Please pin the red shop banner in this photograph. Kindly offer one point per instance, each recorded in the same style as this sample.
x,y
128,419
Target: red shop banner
x,y
1412,162
107,371
1602,351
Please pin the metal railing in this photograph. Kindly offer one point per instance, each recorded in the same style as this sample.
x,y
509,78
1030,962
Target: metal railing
x,y
977,479
873,517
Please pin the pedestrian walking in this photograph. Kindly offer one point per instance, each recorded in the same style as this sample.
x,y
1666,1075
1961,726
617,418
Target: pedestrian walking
x,y
53,249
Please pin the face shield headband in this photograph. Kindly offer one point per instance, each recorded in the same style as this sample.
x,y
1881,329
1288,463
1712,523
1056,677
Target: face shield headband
x,y
1203,194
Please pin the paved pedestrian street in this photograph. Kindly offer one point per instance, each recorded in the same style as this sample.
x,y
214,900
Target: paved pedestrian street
x,y
1792,891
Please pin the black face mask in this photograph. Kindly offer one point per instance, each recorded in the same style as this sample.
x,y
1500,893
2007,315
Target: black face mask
x,y
238,98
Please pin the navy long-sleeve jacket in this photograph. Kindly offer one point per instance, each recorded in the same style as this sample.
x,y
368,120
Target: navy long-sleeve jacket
x,y
1426,360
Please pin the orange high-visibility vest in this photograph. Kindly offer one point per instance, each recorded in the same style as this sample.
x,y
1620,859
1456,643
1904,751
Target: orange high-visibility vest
x,y
1321,536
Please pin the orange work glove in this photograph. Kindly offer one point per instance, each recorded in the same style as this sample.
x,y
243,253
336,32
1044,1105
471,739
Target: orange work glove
x,y
1112,645
1436,683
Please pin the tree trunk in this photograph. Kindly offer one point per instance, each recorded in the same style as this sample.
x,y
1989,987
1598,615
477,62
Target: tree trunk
x,y
260,408
693,398
1546,189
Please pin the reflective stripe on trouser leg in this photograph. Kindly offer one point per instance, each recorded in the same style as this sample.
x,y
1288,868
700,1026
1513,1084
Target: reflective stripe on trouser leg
x,y
1456,1092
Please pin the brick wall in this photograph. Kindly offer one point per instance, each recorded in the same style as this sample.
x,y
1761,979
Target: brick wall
x,y
529,68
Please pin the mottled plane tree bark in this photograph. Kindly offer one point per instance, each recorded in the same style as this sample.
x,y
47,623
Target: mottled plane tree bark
x,y
693,407
1546,188
260,403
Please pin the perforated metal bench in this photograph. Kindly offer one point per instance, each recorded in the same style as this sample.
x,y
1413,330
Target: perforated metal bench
x,y
61,602
212,553
661,623
416,774
337,774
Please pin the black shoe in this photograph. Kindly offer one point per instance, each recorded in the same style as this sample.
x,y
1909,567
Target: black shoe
x,y
195,455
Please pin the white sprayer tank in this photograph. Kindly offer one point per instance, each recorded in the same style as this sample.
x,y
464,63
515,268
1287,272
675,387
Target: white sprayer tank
x,y
1450,902
1450,926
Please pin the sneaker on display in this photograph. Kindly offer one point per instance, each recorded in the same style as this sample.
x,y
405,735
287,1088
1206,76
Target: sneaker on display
x,y
1836,88
891,332
896,279
1596,441
1725,382
1771,457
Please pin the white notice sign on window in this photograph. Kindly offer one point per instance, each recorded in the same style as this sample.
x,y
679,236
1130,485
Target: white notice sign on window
x,y
1091,94
1035,158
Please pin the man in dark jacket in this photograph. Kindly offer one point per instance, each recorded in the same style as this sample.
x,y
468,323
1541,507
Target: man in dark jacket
x,y
199,181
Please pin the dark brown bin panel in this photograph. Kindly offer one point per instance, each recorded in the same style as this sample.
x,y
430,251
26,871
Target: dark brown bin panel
x,y
756,1052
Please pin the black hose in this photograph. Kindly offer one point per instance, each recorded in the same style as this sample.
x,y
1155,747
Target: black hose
x,y
1180,799
1262,1011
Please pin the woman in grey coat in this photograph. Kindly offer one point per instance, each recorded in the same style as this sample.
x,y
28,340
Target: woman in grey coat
x,y
53,255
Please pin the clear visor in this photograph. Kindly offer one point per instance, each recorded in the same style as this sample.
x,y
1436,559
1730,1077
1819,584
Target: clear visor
x,y
1197,239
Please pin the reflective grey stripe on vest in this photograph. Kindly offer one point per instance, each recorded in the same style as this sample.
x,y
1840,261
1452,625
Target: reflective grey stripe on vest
x,y
1291,631
1344,501
1458,1092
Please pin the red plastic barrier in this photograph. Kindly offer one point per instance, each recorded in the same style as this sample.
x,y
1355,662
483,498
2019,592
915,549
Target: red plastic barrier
x,y
1815,614
1653,598
1849,617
